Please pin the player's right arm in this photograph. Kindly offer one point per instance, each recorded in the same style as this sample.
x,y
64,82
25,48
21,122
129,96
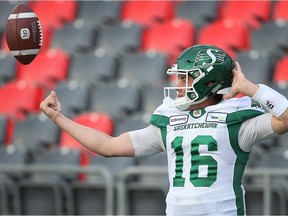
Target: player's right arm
x,y
90,138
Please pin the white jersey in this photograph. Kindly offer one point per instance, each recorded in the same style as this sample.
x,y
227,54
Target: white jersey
x,y
205,162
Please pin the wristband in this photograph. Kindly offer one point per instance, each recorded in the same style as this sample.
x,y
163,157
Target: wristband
x,y
272,100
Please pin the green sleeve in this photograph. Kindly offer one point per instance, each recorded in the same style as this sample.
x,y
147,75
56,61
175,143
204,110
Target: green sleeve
x,y
161,122
234,122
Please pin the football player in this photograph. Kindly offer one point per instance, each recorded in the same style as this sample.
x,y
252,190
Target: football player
x,y
206,131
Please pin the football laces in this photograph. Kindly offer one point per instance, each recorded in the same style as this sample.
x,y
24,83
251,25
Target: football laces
x,y
41,32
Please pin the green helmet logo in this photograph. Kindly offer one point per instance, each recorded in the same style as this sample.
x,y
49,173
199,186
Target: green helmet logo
x,y
211,70
209,56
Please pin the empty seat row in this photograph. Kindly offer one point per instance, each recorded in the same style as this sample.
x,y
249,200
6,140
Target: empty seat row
x,y
139,186
62,191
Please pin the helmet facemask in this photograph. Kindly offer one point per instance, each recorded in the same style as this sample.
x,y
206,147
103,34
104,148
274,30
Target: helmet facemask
x,y
191,95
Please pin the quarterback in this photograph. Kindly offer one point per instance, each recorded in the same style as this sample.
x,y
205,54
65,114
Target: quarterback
x,y
206,131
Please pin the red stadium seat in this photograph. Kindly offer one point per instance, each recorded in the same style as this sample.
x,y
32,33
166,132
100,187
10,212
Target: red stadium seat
x,y
19,98
280,10
169,38
147,13
280,75
227,34
60,13
252,13
48,67
96,120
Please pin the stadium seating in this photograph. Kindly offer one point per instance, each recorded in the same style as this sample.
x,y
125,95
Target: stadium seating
x,y
146,192
9,202
119,38
200,13
109,71
109,98
251,13
6,8
8,68
257,66
93,68
54,188
21,98
98,14
229,35
134,122
36,133
153,97
280,11
3,128
66,38
54,65
96,120
63,12
146,68
155,12
91,195
280,75
73,96
261,38
166,38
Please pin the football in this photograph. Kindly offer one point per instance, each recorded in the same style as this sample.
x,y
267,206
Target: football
x,y
23,34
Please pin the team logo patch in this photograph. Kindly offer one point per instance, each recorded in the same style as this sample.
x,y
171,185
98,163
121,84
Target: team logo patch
x,y
176,120
216,117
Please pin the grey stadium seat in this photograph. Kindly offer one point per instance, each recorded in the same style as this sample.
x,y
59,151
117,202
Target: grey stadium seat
x,y
92,68
256,66
8,67
146,68
116,99
35,133
119,38
199,12
271,38
73,96
49,193
74,38
97,14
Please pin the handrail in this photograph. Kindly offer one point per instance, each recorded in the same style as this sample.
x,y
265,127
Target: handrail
x,y
68,169
266,173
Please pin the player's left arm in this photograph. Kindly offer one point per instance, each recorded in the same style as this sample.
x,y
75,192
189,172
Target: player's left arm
x,y
273,101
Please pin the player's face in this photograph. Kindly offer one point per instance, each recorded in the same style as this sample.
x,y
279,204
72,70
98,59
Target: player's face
x,y
181,82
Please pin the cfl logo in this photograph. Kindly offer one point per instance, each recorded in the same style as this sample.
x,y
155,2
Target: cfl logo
x,y
25,33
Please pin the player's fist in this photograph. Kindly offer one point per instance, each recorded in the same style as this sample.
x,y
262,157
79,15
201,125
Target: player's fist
x,y
51,106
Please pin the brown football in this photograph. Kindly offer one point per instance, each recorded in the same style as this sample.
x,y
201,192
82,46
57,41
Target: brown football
x,y
23,33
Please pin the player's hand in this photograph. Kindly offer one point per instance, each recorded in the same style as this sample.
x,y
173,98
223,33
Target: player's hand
x,y
51,106
240,84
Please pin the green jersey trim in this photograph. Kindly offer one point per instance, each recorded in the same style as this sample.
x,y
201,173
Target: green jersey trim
x,y
161,122
234,122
